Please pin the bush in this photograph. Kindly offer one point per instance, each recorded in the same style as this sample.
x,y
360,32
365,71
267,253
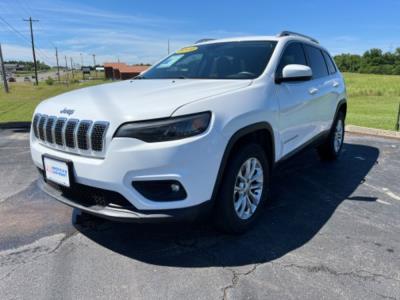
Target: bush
x,y
49,81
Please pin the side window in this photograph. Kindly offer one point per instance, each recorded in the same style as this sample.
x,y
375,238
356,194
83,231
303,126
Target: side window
x,y
329,63
316,61
293,54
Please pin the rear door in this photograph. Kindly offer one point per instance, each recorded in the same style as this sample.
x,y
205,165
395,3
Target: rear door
x,y
334,83
321,86
297,119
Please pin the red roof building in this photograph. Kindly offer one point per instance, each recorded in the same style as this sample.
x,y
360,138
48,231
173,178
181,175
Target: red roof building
x,y
122,71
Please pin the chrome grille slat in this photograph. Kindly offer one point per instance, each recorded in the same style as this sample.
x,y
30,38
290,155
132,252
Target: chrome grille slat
x,y
58,131
97,135
41,127
49,129
83,137
83,134
70,133
35,125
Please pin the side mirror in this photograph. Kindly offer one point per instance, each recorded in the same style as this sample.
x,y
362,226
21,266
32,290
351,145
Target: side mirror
x,y
295,73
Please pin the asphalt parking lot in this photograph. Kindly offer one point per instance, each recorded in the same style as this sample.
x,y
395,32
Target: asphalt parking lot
x,y
330,231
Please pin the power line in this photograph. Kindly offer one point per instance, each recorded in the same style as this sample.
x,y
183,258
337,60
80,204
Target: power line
x,y
25,39
13,29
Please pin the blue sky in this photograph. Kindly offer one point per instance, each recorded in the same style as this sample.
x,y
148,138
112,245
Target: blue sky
x,y
137,31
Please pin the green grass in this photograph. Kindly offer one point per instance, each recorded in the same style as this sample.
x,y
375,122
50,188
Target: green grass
x,y
19,104
372,99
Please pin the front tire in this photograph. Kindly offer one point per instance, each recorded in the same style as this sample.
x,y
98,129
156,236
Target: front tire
x,y
243,190
332,147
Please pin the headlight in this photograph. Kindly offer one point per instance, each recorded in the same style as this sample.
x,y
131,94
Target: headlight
x,y
166,129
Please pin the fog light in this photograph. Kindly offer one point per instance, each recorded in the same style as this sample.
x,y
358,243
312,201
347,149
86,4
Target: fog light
x,y
175,187
161,190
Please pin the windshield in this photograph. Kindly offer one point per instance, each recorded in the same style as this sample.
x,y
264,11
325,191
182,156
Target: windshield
x,y
230,60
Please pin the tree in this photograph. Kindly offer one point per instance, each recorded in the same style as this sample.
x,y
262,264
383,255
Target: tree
x,y
372,61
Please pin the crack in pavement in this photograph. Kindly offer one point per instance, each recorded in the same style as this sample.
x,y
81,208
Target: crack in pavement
x,y
384,296
29,250
353,274
236,276
235,279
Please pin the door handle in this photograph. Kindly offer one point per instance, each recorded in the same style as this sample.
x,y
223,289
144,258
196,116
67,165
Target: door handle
x,y
335,84
313,91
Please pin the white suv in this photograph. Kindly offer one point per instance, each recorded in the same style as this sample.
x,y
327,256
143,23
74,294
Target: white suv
x,y
202,129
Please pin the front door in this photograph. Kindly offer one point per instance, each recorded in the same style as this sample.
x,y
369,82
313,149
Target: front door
x,y
298,120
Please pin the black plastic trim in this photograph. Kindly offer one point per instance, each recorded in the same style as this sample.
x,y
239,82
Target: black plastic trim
x,y
160,190
137,216
279,80
235,137
315,141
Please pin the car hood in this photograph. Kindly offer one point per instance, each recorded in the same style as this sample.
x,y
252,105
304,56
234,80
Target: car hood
x,y
134,100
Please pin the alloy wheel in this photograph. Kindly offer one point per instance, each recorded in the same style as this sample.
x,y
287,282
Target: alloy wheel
x,y
248,188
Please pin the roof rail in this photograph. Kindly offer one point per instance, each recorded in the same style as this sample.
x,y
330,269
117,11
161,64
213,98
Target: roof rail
x,y
203,41
287,33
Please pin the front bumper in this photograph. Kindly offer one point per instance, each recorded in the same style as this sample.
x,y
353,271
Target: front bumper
x,y
194,162
126,214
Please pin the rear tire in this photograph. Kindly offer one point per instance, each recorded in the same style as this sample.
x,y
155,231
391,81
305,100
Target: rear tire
x,y
243,190
332,147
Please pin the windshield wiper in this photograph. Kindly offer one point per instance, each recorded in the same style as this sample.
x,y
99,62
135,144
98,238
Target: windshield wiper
x,y
177,77
139,77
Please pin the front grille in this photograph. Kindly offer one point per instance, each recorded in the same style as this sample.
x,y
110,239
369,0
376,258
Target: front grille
x,y
71,135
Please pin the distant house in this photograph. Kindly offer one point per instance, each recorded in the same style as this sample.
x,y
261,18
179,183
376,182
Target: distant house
x,y
122,71
20,67
127,72
10,68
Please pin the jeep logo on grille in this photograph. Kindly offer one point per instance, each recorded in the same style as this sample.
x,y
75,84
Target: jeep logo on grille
x,y
67,111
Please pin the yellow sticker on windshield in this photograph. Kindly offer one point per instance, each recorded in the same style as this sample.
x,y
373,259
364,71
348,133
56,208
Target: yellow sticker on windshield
x,y
186,50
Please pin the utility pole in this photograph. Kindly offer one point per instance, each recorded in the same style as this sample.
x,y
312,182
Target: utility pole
x,y
3,71
83,74
72,67
66,69
33,47
58,66
94,64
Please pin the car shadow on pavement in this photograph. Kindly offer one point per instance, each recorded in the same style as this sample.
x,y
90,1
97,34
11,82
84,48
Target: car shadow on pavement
x,y
305,193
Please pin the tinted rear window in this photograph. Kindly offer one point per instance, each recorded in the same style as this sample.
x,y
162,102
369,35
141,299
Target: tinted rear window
x,y
316,61
329,63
